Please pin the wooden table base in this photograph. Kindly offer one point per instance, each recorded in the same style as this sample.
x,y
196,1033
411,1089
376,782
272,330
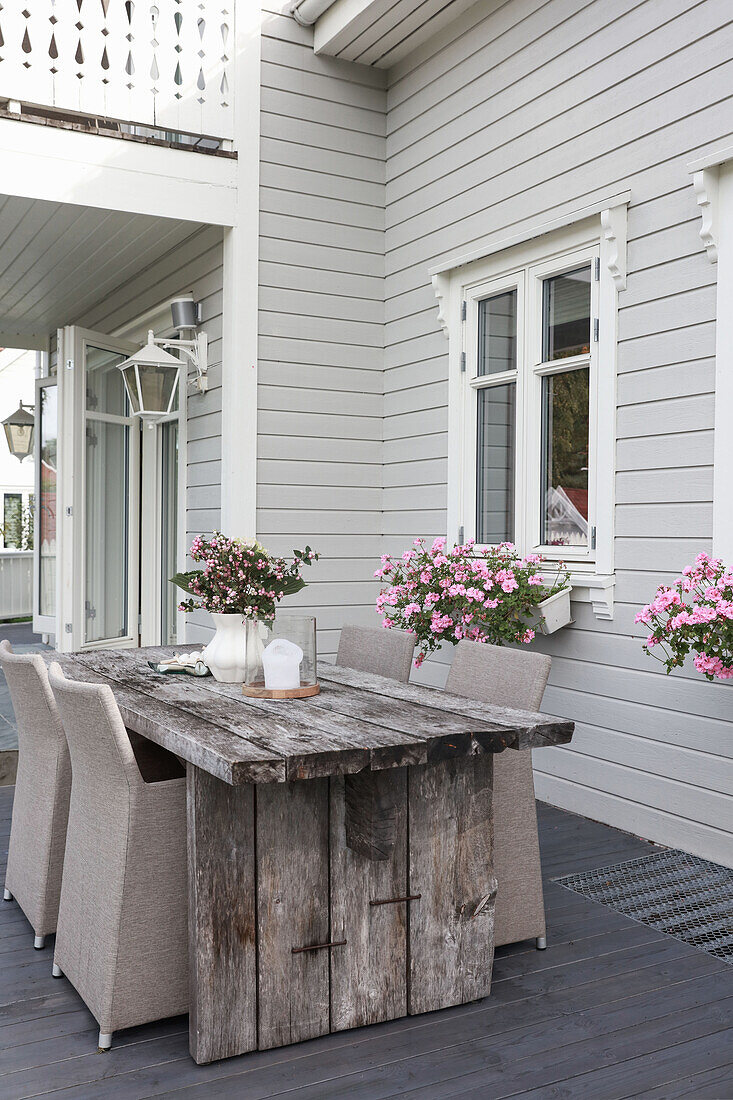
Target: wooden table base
x,y
324,904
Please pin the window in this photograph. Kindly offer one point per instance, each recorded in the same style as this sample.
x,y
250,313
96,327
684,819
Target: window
x,y
532,398
528,401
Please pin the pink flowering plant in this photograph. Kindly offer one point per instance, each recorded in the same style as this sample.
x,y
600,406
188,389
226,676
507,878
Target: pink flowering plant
x,y
693,615
486,595
240,577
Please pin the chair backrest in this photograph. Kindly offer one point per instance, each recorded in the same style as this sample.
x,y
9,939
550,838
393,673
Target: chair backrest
x,y
494,674
373,649
40,730
102,761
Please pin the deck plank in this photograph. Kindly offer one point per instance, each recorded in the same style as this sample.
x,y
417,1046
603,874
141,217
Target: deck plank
x,y
611,1009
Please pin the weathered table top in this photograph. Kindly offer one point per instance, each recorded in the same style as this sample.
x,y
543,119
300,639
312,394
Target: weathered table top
x,y
358,722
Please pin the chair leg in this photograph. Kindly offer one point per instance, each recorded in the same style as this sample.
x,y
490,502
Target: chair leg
x,y
57,972
541,943
105,1040
38,942
7,896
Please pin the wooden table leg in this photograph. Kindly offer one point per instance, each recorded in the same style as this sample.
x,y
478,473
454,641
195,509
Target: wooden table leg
x,y
369,906
451,930
221,918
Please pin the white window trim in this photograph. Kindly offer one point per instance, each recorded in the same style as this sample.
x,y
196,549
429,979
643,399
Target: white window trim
x,y
606,232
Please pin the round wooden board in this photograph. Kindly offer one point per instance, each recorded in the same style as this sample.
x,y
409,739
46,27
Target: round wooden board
x,y
259,691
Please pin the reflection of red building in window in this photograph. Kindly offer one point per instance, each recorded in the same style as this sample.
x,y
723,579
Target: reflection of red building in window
x,y
47,510
579,499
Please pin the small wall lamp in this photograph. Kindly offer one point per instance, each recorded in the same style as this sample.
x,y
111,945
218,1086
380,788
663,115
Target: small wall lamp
x,y
151,374
19,431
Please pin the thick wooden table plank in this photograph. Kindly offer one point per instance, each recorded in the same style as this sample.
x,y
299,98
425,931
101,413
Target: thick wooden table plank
x,y
358,722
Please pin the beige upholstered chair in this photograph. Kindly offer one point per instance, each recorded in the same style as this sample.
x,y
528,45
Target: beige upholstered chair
x,y
122,929
512,678
374,649
41,804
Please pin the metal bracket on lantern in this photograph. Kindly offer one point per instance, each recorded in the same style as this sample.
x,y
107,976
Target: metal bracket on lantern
x,y
196,353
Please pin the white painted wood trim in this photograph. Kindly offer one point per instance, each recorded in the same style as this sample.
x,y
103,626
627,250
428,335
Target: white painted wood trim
x,y
705,184
723,438
497,244
240,295
720,156
40,162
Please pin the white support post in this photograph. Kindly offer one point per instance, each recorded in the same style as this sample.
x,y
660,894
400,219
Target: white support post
x,y
240,320
723,438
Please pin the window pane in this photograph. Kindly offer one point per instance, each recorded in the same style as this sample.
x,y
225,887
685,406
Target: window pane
x,y
47,502
566,315
495,464
13,520
564,517
105,582
497,333
105,388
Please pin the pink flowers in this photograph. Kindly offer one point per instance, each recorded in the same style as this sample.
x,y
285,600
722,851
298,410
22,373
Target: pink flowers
x,y
487,595
240,577
694,616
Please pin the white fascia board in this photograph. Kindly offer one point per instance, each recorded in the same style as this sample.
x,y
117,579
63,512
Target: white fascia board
x,y
55,165
340,23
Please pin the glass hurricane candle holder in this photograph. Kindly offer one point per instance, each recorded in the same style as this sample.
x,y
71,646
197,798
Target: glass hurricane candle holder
x,y
281,658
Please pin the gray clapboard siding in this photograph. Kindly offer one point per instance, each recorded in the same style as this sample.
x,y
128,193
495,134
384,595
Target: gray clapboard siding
x,y
514,114
321,319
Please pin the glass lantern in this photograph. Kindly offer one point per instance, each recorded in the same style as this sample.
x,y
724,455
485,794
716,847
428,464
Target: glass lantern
x,y
281,658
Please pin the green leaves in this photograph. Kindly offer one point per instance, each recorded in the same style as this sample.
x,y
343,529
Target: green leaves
x,y
183,580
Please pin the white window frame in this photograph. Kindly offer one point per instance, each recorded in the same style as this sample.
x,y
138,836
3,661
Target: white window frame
x,y
546,251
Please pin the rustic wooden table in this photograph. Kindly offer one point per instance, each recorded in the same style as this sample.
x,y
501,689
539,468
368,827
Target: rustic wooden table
x,y
340,847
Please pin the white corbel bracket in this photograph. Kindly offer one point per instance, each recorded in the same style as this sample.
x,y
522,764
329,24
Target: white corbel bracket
x,y
613,236
441,285
705,184
597,589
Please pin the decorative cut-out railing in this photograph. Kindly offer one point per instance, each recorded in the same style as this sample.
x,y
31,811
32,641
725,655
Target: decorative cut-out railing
x,y
160,63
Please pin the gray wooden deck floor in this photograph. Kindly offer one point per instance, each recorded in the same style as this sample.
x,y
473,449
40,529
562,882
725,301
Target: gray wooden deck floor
x,y
611,1009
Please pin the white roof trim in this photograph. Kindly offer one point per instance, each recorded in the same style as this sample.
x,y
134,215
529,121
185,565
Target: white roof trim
x,y
306,12
493,245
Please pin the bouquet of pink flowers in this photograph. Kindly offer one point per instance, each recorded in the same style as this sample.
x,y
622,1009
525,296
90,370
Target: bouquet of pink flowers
x,y
485,595
240,577
694,615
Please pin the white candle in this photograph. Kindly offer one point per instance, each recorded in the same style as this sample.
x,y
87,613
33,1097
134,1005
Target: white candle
x,y
281,662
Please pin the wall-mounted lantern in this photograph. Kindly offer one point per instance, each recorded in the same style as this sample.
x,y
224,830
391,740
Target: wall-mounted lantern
x,y
151,377
151,374
19,431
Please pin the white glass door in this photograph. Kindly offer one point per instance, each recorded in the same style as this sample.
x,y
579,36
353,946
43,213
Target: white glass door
x,y
100,490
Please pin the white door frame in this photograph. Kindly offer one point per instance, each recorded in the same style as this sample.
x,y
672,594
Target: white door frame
x,y
44,624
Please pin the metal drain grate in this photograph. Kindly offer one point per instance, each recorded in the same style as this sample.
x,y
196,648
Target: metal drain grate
x,y
676,893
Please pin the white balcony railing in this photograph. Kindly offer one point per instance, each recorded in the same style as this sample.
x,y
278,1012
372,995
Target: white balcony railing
x,y
16,583
160,63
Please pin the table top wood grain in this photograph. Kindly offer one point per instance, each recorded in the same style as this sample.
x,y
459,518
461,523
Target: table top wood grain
x,y
358,722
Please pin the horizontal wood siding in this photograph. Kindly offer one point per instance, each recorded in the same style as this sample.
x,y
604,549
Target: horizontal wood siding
x,y
320,399
195,265
519,111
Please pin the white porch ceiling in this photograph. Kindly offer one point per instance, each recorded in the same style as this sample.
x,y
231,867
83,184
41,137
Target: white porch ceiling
x,y
382,32
58,260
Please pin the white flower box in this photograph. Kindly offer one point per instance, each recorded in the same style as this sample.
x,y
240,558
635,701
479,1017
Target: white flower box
x,y
553,613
